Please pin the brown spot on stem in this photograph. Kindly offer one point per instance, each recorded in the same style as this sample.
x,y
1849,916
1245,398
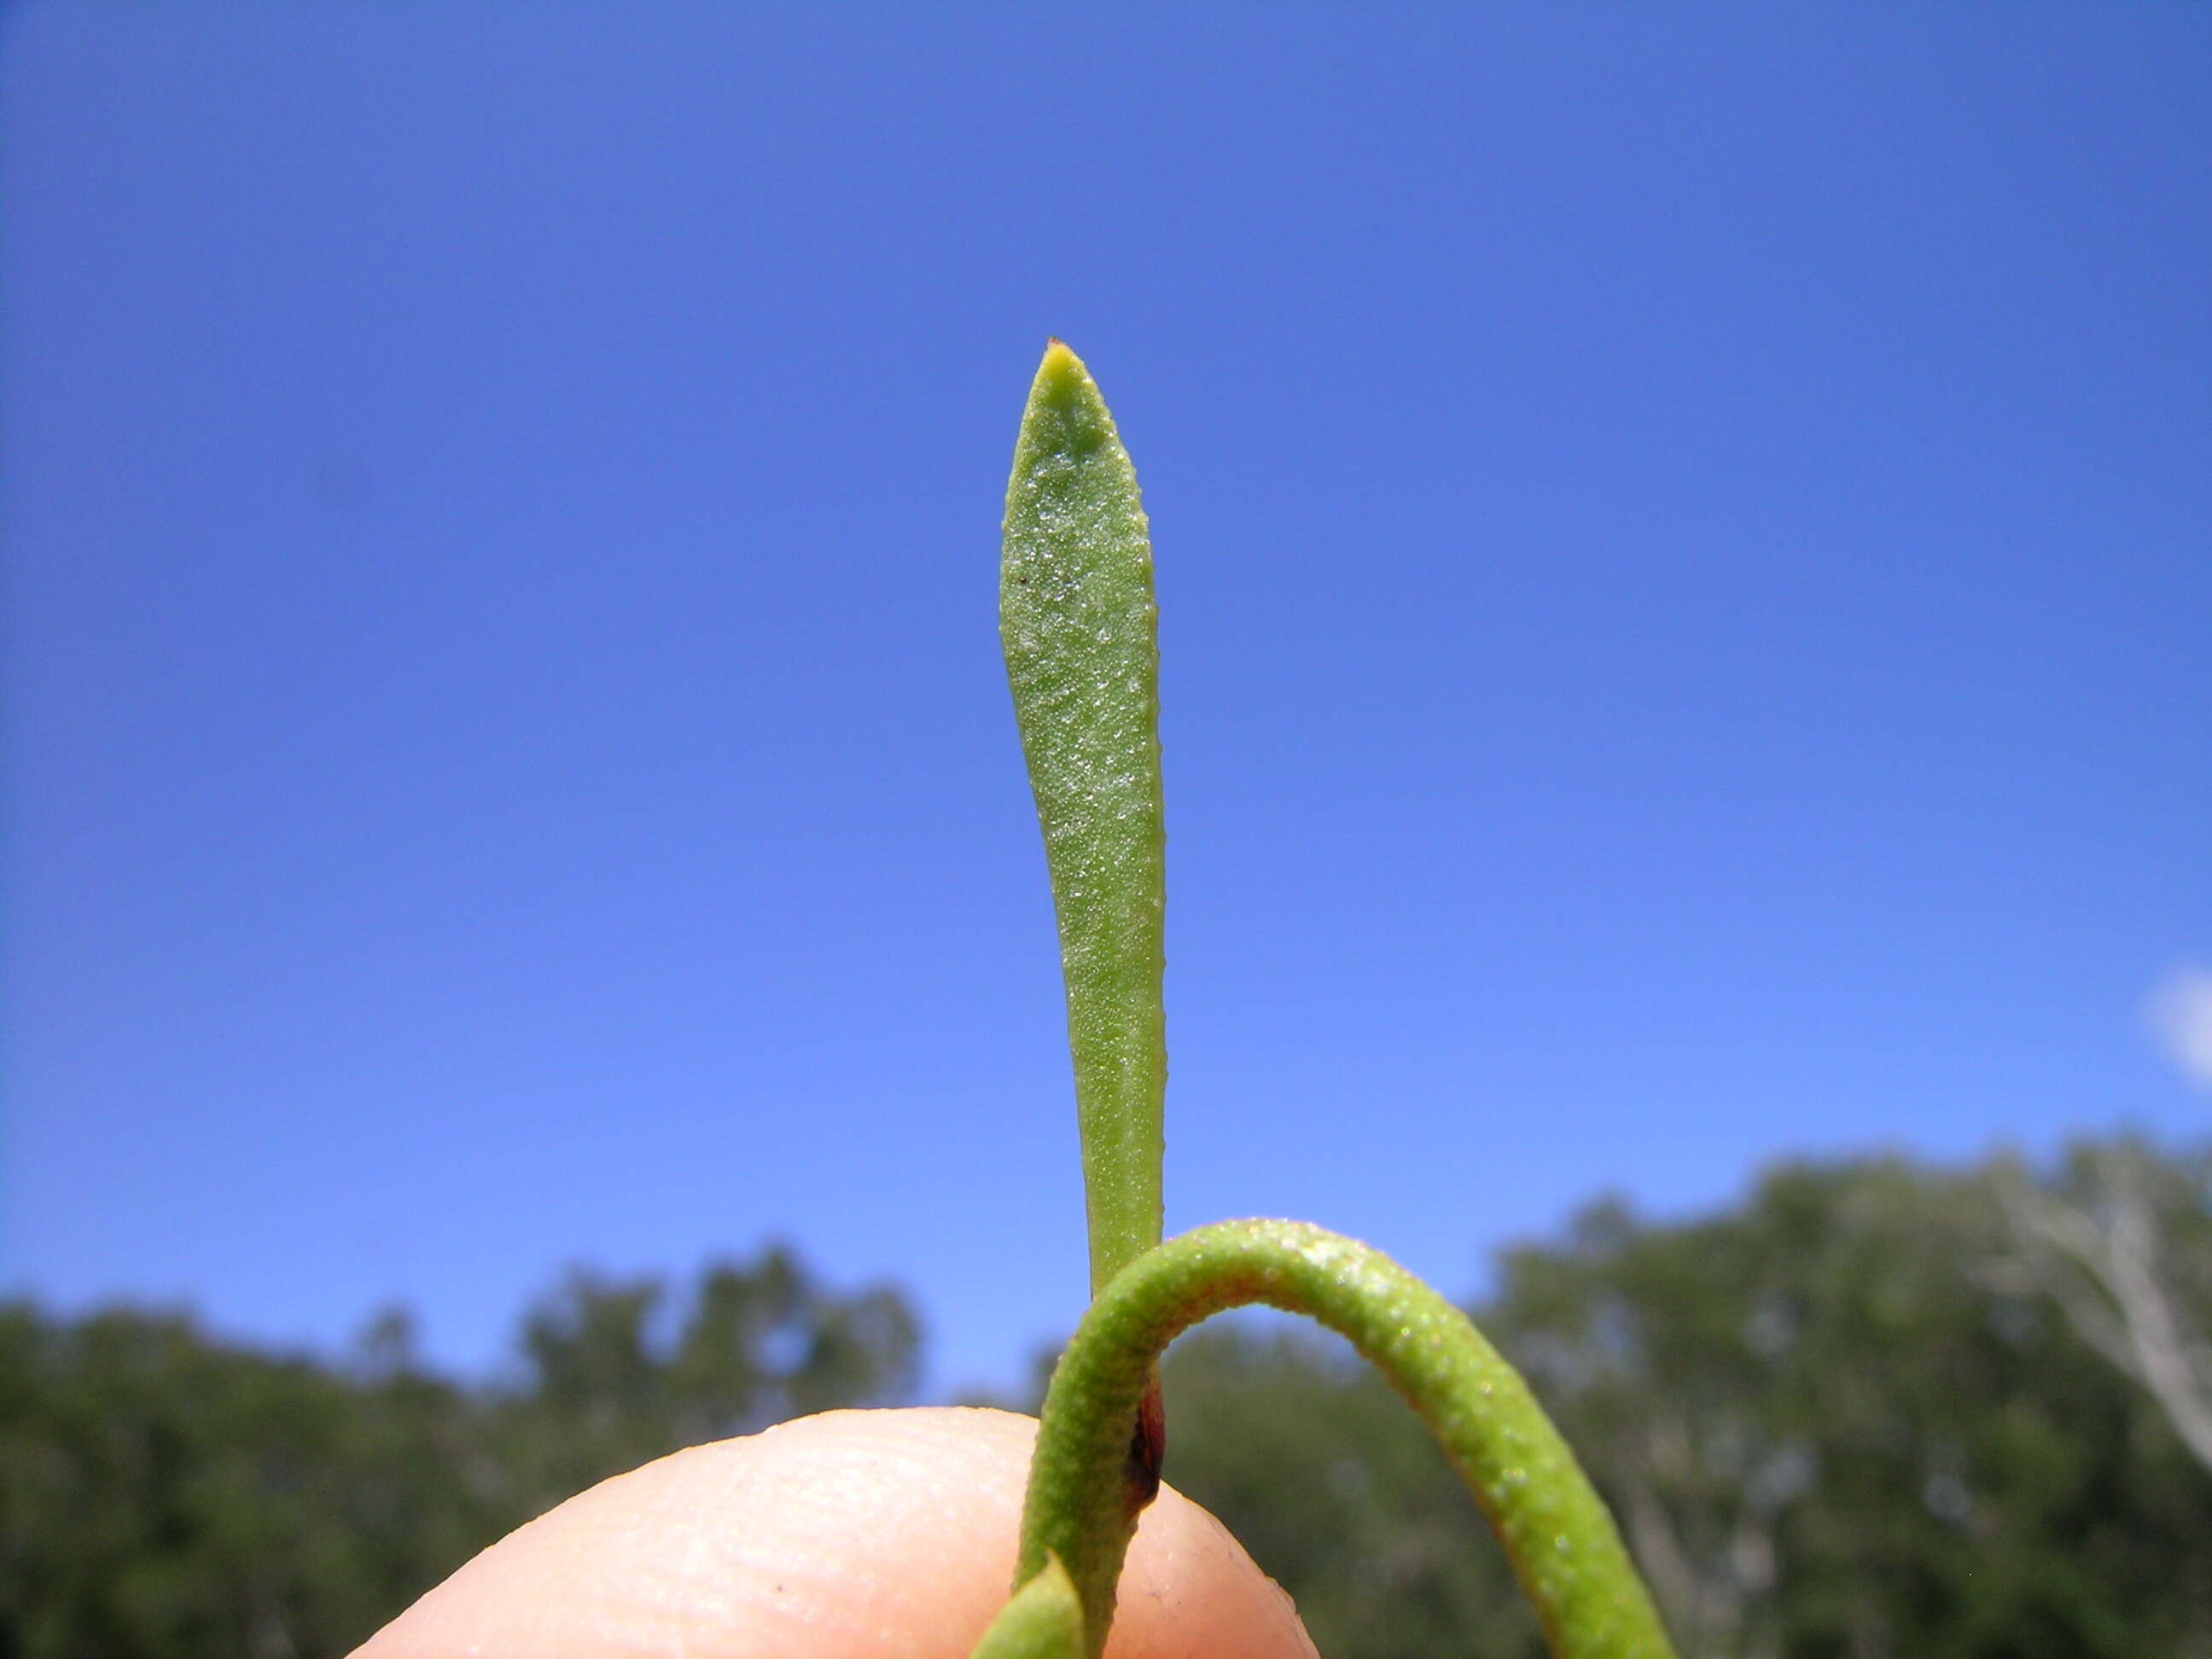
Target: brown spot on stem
x,y
1148,1447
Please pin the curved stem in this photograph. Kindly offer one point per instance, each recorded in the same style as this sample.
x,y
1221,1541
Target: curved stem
x,y
1555,1530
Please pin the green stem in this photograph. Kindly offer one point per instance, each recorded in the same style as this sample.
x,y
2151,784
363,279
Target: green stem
x,y
1076,616
1555,1528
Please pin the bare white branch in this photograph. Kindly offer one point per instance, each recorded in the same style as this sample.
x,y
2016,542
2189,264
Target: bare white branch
x,y
2100,1262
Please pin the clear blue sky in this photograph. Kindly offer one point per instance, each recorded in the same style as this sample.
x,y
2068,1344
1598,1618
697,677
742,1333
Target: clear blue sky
x,y
1683,556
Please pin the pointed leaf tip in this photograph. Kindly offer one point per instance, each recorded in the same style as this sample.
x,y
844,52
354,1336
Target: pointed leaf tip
x,y
1061,370
1044,1620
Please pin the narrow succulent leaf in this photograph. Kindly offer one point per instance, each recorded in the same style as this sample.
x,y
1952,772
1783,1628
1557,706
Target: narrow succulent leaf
x,y
1043,1621
1076,617
1556,1530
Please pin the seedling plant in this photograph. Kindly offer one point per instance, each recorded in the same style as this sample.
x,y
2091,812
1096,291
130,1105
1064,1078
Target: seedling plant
x,y
1077,619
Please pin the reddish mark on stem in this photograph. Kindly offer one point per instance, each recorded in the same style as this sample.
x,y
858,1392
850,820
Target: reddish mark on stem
x,y
1148,1447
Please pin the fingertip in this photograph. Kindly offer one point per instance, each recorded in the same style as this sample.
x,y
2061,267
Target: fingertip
x,y
847,1535
1190,1591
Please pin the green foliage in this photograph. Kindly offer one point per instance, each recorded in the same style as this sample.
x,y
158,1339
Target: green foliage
x,y
1838,1418
1043,1619
165,1495
1849,1346
1076,620
1835,1421
611,1385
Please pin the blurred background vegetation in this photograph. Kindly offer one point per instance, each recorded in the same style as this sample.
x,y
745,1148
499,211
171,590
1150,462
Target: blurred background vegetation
x,y
1877,1408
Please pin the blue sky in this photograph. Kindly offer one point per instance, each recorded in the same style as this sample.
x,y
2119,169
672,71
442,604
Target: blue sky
x,y
1682,551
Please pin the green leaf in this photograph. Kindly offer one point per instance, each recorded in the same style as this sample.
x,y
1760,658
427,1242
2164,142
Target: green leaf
x,y
1076,617
1043,1621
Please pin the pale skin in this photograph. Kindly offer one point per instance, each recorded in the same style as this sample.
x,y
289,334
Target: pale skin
x,y
882,1535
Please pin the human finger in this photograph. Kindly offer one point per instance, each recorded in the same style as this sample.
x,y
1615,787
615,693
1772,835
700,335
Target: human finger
x,y
881,1534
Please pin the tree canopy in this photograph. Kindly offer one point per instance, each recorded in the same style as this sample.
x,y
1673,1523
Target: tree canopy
x,y
166,1495
1844,1418
1873,1409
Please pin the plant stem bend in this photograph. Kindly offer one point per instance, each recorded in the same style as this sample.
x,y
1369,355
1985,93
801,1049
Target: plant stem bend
x,y
1081,1507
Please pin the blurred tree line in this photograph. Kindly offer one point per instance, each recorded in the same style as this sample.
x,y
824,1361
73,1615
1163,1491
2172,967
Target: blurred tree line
x,y
1875,1409
164,1495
